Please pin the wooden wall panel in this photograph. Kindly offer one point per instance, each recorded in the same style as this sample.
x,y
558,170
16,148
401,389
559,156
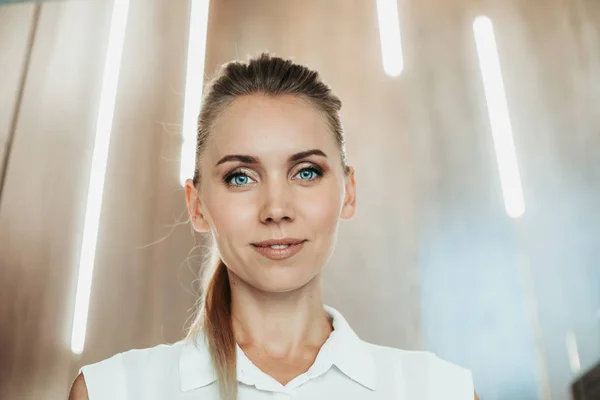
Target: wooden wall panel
x,y
554,90
136,287
43,201
15,28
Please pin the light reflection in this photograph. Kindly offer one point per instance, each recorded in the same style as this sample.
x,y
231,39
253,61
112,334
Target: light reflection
x,y
495,96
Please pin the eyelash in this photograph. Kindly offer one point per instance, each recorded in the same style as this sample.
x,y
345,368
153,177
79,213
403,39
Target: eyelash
x,y
227,179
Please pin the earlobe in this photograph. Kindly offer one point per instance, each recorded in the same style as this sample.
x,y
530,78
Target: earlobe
x,y
199,223
347,211
349,207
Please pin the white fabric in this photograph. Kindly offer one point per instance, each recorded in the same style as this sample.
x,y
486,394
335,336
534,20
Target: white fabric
x,y
345,368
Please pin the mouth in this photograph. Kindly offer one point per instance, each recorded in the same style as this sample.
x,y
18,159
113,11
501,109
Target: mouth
x,y
279,249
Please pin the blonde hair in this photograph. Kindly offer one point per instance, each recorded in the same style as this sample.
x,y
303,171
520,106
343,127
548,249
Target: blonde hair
x,y
264,75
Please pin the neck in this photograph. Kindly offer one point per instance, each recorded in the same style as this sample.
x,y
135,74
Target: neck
x,y
279,323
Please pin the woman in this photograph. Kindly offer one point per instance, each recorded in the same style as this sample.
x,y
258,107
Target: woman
x,y
271,184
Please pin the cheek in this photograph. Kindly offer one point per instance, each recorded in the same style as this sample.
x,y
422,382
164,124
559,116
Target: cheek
x,y
230,212
323,210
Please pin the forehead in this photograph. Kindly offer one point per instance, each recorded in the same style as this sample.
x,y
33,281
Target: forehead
x,y
269,126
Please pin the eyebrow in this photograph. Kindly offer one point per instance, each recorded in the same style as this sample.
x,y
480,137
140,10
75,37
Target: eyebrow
x,y
254,160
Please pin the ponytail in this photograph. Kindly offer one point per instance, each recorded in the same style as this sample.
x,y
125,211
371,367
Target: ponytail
x,y
214,320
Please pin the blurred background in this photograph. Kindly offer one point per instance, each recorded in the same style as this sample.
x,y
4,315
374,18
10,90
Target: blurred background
x,y
474,127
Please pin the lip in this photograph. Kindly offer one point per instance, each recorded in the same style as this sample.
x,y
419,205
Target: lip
x,y
293,247
276,242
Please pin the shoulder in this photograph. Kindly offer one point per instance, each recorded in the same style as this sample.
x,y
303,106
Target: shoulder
x,y
112,377
79,389
415,359
423,370
163,355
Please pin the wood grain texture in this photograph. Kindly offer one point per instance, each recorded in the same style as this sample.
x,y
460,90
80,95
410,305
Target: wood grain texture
x,y
15,28
43,203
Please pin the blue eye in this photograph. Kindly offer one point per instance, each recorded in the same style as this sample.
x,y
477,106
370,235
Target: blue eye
x,y
242,179
308,174
238,179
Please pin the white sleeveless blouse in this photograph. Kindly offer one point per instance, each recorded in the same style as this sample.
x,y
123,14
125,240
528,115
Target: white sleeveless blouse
x,y
345,368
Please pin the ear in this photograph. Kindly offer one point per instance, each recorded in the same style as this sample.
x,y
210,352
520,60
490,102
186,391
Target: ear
x,y
192,199
349,206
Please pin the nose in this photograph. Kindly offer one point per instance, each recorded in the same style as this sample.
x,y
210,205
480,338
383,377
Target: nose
x,y
277,204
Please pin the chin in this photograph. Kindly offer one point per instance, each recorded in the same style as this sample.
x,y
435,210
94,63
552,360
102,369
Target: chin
x,y
282,281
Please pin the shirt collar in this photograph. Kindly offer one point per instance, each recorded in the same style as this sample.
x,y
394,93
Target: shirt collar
x,y
344,349
195,365
349,353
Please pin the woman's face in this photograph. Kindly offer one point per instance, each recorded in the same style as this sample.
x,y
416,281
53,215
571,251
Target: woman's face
x,y
272,170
